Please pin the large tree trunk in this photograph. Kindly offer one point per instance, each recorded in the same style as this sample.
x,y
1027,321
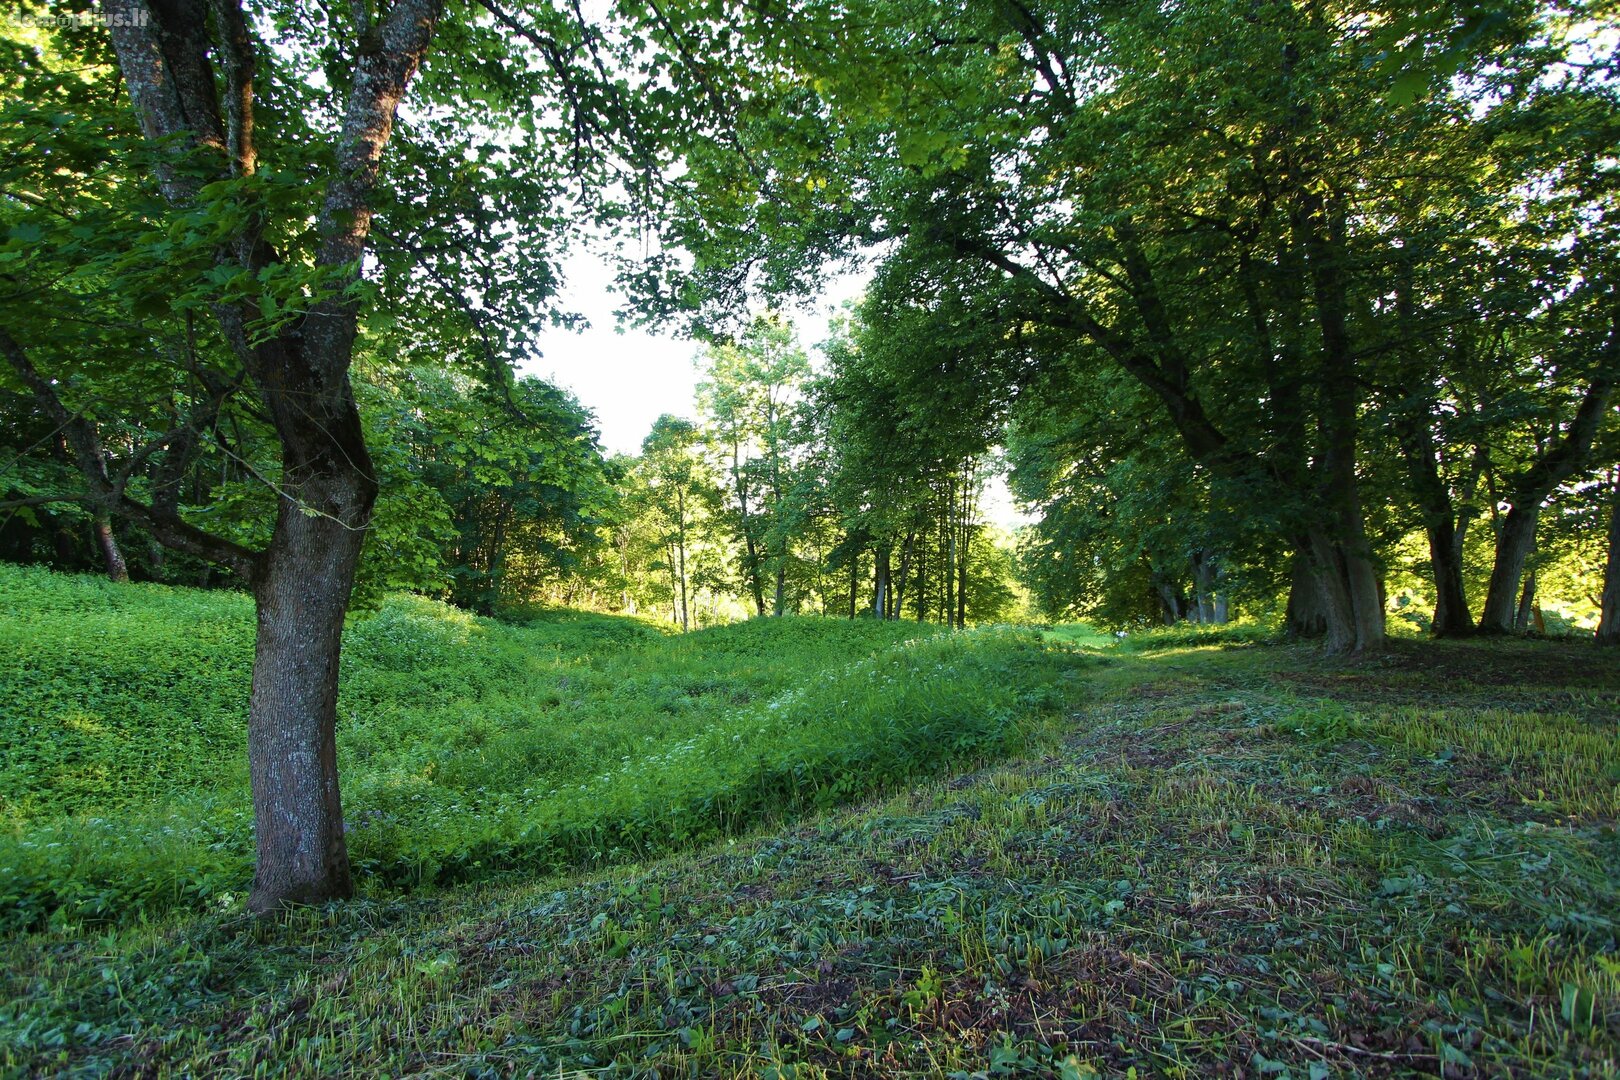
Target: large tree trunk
x,y
1307,607
1342,561
1514,544
1350,595
1451,615
190,71
1532,488
302,598
1608,630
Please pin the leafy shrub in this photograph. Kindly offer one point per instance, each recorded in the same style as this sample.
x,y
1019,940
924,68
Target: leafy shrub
x,y
1192,635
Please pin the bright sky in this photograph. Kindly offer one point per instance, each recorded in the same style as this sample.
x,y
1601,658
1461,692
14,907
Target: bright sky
x,y
630,377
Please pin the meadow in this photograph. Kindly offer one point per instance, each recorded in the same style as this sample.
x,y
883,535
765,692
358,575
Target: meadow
x,y
848,850
468,747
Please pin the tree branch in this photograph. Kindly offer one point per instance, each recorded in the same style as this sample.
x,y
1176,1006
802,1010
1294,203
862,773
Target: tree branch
x,y
106,494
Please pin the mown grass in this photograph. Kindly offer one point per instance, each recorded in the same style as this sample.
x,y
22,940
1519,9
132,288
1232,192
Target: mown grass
x,y
468,747
1229,862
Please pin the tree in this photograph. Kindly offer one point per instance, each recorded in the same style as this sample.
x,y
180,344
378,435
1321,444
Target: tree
x,y
1226,226
747,398
252,210
191,81
681,490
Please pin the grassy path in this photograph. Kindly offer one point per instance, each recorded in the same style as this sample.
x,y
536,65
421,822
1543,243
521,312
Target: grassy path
x,y
1240,862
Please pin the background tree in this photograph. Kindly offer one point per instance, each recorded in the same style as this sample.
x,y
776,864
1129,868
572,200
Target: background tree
x,y
747,398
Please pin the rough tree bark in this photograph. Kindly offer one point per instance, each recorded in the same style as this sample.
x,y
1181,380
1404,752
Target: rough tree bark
x,y
190,70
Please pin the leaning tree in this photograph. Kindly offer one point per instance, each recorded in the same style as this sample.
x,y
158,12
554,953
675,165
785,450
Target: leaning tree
x,y
299,182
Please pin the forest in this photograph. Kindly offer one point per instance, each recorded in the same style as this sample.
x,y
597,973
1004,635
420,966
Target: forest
x,y
1162,623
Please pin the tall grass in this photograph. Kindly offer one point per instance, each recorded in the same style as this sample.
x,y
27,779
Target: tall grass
x,y
468,747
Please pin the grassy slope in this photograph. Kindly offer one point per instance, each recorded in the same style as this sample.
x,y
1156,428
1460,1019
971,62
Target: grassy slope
x,y
468,748
1231,861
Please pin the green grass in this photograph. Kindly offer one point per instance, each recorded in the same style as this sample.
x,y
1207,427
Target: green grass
x,y
1222,861
468,748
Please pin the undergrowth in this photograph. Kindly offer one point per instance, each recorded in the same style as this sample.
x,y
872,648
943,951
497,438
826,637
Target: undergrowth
x,y
468,747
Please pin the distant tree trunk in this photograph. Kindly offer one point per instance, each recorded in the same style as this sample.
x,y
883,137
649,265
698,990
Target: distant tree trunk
x,y
1531,489
1307,617
880,581
854,580
921,591
497,561
1528,617
779,605
901,579
962,577
751,567
1608,629
112,557
67,552
680,541
1167,591
948,609
964,555
1515,542
1204,568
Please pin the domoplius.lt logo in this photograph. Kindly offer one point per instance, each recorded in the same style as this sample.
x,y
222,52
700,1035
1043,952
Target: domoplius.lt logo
x,y
115,14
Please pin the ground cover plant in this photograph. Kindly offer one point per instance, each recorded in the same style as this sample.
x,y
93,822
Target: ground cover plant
x,y
1226,860
469,747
